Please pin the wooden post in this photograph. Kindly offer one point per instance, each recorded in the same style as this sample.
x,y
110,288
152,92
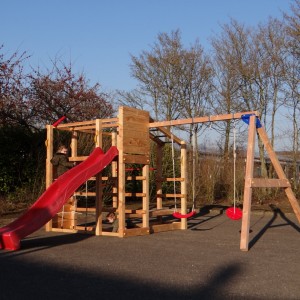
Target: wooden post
x,y
183,184
74,153
244,244
159,154
146,197
114,172
74,144
121,175
99,189
49,167
280,173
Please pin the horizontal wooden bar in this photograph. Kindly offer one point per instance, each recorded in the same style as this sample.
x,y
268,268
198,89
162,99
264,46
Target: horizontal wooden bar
x,y
135,211
90,122
85,194
136,231
135,194
135,178
55,229
202,119
109,233
83,209
265,182
77,158
165,227
161,212
136,159
170,195
85,228
169,179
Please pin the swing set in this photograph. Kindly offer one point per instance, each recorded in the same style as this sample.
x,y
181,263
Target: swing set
x,y
131,132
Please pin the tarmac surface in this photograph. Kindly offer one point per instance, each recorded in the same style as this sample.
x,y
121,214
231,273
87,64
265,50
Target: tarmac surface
x,y
203,262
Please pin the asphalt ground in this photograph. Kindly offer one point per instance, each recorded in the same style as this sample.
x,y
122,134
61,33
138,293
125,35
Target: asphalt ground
x,y
203,262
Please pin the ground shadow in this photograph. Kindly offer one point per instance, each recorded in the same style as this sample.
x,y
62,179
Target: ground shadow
x,y
25,279
206,211
276,213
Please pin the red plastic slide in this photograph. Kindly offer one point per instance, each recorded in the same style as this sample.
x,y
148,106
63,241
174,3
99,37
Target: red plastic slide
x,y
53,199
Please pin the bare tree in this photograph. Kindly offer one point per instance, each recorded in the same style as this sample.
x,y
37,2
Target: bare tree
x,y
229,50
292,83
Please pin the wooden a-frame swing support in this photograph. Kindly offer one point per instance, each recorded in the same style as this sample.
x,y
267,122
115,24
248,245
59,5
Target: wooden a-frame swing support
x,y
250,181
132,139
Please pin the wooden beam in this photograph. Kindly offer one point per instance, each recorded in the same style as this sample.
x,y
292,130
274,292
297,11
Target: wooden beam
x,y
99,185
202,119
159,155
49,166
280,173
170,195
266,182
183,184
244,244
146,197
165,227
161,212
136,231
136,159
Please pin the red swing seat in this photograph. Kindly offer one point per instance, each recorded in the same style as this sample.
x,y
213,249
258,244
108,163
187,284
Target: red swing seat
x,y
178,215
234,213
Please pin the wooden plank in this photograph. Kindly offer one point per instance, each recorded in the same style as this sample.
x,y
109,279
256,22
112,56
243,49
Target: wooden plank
x,y
78,158
265,182
83,209
201,119
99,185
165,227
133,130
108,233
133,146
86,194
134,211
135,194
244,243
87,129
85,228
170,195
165,179
136,159
49,166
183,185
73,124
87,123
135,178
114,173
64,230
161,212
136,231
121,176
146,197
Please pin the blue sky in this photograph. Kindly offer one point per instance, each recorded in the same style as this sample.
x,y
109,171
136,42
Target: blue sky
x,y
99,36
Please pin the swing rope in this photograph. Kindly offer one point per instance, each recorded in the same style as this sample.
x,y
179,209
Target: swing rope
x,y
194,166
176,214
234,213
173,169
